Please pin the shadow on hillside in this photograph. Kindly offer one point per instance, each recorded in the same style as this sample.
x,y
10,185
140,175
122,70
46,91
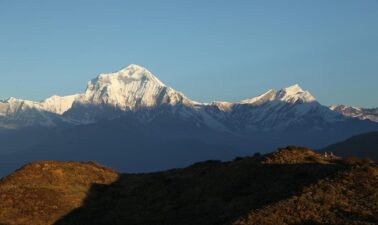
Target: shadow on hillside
x,y
356,216
359,216
311,222
205,193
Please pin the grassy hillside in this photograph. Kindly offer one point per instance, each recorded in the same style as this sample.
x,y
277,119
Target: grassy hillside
x,y
349,198
290,186
42,192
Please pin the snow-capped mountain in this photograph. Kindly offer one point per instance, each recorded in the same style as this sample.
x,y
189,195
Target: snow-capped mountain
x,y
276,110
20,113
292,94
355,112
135,90
131,88
131,121
58,104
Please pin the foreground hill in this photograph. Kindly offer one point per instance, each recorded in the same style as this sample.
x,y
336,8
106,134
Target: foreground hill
x,y
363,145
349,198
40,193
289,186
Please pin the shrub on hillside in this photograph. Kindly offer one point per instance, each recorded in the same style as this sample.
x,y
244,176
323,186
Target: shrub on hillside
x,y
238,158
257,154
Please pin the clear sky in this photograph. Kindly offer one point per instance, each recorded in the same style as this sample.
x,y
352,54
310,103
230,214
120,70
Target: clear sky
x,y
209,50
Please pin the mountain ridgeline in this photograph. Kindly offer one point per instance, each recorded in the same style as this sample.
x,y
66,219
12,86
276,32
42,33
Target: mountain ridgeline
x,y
355,112
133,122
291,186
362,145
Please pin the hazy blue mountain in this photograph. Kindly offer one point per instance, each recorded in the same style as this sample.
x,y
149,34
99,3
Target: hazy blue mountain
x,y
362,145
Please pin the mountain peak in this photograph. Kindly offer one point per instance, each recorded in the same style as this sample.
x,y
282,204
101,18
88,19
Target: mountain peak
x,y
129,74
134,67
267,96
294,94
291,94
293,89
129,88
59,104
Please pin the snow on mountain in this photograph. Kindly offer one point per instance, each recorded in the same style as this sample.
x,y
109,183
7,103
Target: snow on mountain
x,y
54,104
355,112
136,90
266,97
130,88
292,94
58,104
17,112
222,106
275,110
14,106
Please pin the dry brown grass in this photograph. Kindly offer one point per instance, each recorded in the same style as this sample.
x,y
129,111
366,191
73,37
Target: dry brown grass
x,y
295,155
293,185
41,192
349,198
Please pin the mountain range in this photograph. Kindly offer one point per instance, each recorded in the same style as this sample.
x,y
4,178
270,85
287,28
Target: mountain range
x,y
355,112
132,121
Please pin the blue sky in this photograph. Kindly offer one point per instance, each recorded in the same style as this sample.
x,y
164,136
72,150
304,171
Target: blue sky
x,y
209,50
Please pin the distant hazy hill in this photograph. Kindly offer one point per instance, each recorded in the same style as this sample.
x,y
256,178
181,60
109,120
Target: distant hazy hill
x,y
363,145
290,186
